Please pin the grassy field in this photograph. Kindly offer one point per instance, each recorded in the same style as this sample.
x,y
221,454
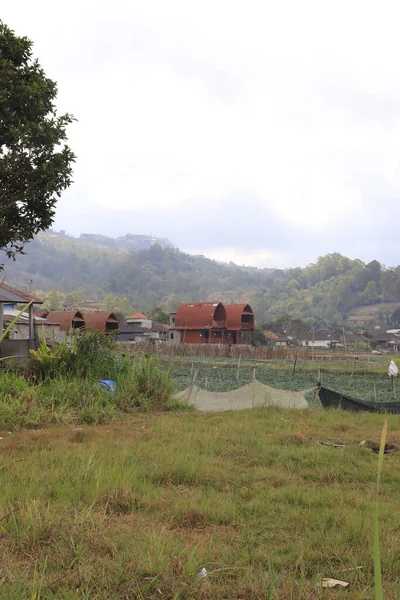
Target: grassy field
x,y
137,508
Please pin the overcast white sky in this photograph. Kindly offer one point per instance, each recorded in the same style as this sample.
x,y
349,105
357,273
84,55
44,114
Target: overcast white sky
x,y
263,132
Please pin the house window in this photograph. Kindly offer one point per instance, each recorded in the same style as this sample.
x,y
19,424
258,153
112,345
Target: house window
x,y
173,319
172,336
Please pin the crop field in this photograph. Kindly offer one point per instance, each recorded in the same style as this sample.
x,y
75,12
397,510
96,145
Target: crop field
x,y
361,379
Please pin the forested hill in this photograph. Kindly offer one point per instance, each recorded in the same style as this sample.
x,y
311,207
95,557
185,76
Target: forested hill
x,y
325,291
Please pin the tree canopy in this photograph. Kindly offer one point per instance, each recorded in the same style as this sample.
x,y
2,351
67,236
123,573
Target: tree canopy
x,y
35,161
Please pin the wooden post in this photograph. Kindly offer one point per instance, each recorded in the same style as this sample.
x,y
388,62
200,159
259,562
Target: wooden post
x,y
191,388
315,397
295,362
354,368
313,339
238,367
31,328
1,322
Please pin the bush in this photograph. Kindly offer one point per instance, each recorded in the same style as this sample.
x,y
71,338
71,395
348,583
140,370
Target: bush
x,y
66,389
146,386
88,355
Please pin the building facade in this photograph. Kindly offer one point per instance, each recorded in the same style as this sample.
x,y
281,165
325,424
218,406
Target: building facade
x,y
211,323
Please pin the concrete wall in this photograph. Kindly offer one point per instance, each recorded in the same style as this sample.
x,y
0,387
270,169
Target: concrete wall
x,y
174,336
17,349
20,331
133,337
316,343
146,323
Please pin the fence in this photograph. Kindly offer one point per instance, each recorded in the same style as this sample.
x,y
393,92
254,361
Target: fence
x,y
236,351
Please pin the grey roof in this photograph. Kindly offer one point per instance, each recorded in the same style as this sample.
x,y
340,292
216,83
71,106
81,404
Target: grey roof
x,y
10,295
319,336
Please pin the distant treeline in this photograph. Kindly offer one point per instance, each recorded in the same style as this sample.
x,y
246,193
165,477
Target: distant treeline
x,y
160,275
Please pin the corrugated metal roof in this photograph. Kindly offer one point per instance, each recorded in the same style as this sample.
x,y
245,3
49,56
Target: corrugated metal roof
x,y
14,296
24,319
65,318
100,321
234,313
200,315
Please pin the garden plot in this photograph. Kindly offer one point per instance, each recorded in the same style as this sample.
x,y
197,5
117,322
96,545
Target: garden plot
x,y
223,377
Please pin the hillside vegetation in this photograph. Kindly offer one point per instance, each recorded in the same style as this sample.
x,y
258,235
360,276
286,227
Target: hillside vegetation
x,y
324,292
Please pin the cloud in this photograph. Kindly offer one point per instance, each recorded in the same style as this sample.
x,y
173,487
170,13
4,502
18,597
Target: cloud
x,y
267,132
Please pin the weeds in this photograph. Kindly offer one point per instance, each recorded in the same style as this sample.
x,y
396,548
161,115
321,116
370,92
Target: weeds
x,y
377,551
143,505
63,384
88,355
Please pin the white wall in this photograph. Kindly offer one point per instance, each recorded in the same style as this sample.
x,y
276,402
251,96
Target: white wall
x,y
316,343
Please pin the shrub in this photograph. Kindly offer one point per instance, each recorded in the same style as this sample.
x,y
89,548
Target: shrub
x,y
146,386
87,355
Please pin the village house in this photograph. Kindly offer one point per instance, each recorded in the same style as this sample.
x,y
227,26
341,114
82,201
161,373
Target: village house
x,y
271,337
20,328
211,323
350,340
284,341
104,322
67,319
140,328
23,336
319,339
133,333
139,319
389,342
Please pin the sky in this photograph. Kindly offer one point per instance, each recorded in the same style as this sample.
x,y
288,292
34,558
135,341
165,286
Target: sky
x,y
262,132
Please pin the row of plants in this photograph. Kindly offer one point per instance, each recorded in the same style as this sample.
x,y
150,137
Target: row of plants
x,y
351,379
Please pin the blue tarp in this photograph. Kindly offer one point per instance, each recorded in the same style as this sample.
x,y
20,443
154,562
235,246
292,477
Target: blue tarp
x,y
107,384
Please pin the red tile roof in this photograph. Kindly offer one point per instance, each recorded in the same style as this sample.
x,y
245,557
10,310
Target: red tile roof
x,y
270,335
138,315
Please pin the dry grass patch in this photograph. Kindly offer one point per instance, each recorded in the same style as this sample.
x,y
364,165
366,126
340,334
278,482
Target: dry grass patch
x,y
137,508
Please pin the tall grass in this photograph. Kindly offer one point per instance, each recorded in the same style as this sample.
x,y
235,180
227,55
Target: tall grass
x,y
62,386
377,551
88,355
145,386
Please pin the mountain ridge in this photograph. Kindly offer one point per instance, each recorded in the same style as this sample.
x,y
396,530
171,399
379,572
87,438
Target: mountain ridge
x,y
324,292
